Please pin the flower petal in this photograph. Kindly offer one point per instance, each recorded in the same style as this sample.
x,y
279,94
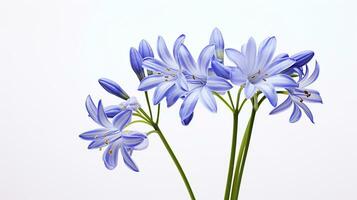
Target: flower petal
x,y
94,134
110,155
283,106
204,59
306,110
249,90
162,90
127,159
136,62
238,58
268,91
217,40
189,103
145,49
251,54
218,84
312,78
133,139
110,137
177,46
157,66
296,115
91,108
122,119
278,66
150,82
186,60
282,80
266,52
302,58
187,120
173,95
102,117
237,76
208,100
220,70
111,111
163,52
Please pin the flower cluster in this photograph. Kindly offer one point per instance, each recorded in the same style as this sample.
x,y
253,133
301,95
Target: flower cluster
x,y
178,77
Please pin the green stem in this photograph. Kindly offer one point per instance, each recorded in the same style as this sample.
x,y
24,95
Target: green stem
x,y
224,101
158,114
230,99
173,157
148,103
233,148
138,121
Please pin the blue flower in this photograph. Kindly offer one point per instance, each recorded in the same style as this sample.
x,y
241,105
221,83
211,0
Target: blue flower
x,y
299,95
136,58
301,58
217,40
113,88
112,136
131,104
167,75
257,70
201,85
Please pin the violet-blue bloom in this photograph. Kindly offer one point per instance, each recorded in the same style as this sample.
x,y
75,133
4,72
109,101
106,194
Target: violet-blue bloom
x,y
257,70
113,88
299,95
201,85
167,75
301,58
217,40
112,136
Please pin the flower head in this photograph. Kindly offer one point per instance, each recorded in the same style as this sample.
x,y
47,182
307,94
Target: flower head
x,y
112,136
257,70
167,75
299,95
201,85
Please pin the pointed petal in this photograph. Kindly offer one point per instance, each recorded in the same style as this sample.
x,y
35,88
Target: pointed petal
x,y
162,90
187,120
186,60
309,95
110,155
312,78
145,49
283,106
127,159
306,110
179,41
302,58
220,70
109,138
218,84
282,80
238,58
173,95
150,82
189,103
136,62
94,134
296,115
157,66
279,66
266,52
111,111
217,40
268,91
204,59
250,53
249,90
122,119
133,139
102,117
163,52
208,100
91,108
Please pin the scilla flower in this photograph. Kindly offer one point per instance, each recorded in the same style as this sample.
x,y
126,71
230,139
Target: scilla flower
x,y
299,95
256,70
201,85
113,137
167,75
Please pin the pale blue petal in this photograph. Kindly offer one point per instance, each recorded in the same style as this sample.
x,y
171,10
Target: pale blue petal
x,y
269,91
250,53
266,52
282,80
279,57
218,84
205,58
278,66
94,134
145,49
238,77
186,60
157,66
111,111
173,95
113,88
133,139
306,110
161,91
217,40
104,141
249,90
163,52
122,119
177,46
237,58
187,120
309,95
189,103
312,78
102,117
150,82
220,70
296,115
208,100
110,155
283,106
302,58
127,159
91,109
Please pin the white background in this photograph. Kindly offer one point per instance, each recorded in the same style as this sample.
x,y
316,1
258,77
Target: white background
x,y
53,52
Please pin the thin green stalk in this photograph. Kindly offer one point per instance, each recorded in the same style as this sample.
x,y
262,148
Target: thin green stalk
x,y
230,99
224,101
158,114
138,121
173,157
233,148
148,103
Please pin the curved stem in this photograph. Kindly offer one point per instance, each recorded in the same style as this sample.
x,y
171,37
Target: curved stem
x,y
148,103
173,157
138,121
158,114
233,147
224,101
230,99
